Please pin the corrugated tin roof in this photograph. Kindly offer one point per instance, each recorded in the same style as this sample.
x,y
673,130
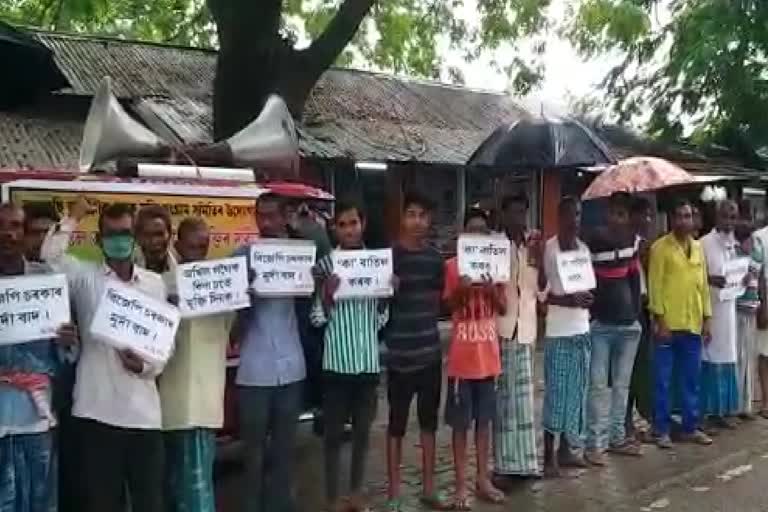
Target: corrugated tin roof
x,y
349,114
137,69
30,141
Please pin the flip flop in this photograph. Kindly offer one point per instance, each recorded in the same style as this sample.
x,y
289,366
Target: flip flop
x,y
495,497
461,504
393,505
436,501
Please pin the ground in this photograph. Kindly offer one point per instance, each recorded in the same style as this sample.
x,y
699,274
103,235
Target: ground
x,y
729,475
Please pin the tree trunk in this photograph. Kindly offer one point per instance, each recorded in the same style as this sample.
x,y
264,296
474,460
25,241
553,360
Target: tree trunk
x,y
255,61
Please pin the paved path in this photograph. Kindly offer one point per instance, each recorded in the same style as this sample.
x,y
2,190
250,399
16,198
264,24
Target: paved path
x,y
625,484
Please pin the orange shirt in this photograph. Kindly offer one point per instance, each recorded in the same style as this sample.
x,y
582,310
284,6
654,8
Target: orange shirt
x,y
474,350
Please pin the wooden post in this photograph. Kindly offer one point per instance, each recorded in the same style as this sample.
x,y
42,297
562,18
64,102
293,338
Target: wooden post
x,y
550,199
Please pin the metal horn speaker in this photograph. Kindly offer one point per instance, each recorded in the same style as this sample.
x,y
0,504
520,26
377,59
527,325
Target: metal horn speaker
x,y
110,132
269,139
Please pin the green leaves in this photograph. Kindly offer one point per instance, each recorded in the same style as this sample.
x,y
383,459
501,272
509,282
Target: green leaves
x,y
410,37
696,69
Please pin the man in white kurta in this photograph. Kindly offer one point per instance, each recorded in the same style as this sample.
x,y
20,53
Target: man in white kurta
x,y
719,384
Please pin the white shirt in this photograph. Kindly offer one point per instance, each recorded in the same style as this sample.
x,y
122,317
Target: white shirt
x,y
562,321
719,248
104,390
520,320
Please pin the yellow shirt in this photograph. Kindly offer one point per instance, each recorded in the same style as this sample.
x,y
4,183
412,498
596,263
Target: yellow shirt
x,y
677,285
192,384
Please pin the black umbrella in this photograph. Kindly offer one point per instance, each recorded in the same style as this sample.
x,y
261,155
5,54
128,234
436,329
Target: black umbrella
x,y
28,68
542,144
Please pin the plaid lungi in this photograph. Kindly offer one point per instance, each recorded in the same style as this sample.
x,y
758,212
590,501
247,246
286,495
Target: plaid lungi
x,y
566,377
189,470
514,432
746,346
28,473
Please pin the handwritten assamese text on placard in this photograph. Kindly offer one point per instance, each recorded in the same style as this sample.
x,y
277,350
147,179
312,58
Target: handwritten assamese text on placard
x,y
575,271
213,286
283,268
734,271
363,273
484,255
32,307
128,319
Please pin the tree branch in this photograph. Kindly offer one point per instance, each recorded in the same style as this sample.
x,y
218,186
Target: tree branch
x,y
186,25
324,50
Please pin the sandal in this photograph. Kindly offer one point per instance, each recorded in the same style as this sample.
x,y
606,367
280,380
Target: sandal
x,y
394,505
461,504
626,448
436,501
492,495
764,414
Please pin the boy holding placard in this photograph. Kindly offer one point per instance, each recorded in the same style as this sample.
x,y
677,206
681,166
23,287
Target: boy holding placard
x,y
192,389
570,277
414,357
350,361
473,365
27,369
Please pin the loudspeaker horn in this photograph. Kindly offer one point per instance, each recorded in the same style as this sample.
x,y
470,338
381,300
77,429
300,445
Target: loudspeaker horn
x,y
270,138
110,132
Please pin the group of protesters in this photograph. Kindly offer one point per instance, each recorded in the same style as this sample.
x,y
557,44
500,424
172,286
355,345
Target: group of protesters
x,y
656,334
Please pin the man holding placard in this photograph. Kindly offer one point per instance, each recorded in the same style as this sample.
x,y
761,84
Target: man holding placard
x,y
116,401
272,368
515,430
28,367
726,273
615,331
192,384
571,279
351,356
679,302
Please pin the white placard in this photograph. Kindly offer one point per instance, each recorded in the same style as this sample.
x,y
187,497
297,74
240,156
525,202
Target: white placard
x,y
734,271
480,255
214,286
363,273
32,307
575,271
126,318
283,268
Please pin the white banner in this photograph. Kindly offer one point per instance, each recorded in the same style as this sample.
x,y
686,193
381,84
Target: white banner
x,y
363,273
734,270
214,286
575,271
283,268
32,307
126,318
481,255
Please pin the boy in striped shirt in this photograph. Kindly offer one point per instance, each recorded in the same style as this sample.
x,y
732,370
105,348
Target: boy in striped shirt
x,y
350,363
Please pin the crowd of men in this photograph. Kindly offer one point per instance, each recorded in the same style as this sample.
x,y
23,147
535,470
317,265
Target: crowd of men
x,y
656,335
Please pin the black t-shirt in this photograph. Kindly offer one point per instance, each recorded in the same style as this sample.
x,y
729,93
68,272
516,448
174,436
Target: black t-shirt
x,y
616,261
413,339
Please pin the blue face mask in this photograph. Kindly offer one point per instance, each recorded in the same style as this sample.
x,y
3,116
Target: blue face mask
x,y
118,247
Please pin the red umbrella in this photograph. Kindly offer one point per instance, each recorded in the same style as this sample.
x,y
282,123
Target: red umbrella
x,y
297,190
637,174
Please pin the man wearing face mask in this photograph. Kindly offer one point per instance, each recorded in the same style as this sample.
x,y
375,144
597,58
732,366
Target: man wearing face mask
x,y
116,401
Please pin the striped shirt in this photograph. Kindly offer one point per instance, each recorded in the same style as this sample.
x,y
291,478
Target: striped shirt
x,y
413,339
352,330
616,261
